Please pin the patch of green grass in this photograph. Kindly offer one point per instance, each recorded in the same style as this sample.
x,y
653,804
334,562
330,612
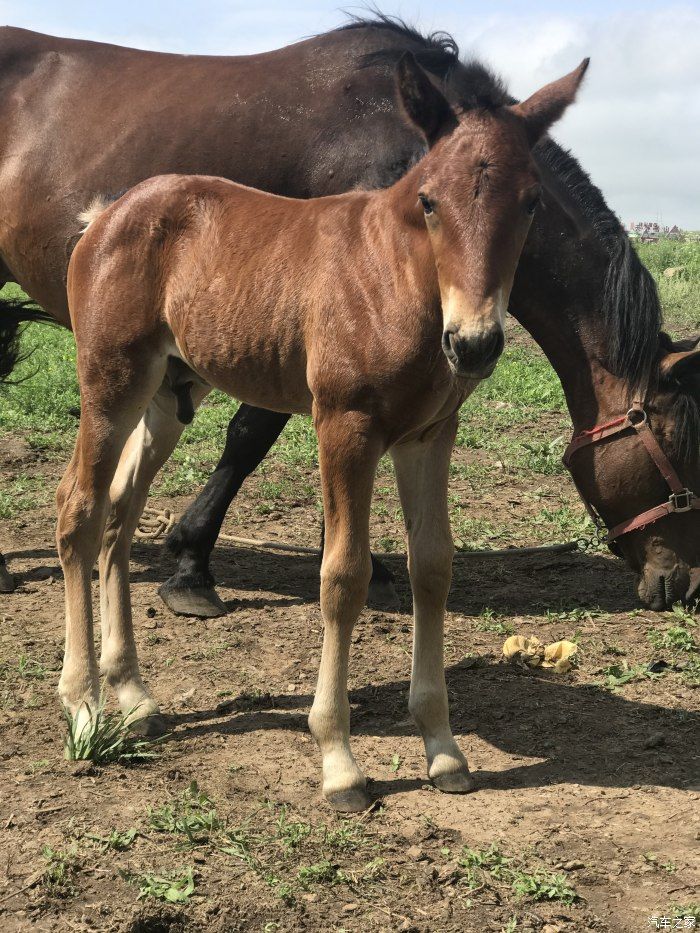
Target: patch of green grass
x,y
490,867
489,621
115,840
324,872
618,675
173,888
23,494
105,738
30,669
192,815
59,871
544,885
674,638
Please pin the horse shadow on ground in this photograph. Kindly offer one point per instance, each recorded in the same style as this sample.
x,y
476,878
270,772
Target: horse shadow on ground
x,y
510,585
581,734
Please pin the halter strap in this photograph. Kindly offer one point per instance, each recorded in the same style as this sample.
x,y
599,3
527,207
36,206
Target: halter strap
x,y
681,498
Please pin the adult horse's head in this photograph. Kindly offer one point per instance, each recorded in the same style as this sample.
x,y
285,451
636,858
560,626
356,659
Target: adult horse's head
x,y
640,472
479,189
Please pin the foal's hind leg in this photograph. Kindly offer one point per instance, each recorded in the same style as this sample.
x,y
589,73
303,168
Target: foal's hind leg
x,y
348,454
83,504
146,450
422,470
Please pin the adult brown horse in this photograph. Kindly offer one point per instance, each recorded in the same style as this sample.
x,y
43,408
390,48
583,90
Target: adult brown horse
x,y
319,118
339,306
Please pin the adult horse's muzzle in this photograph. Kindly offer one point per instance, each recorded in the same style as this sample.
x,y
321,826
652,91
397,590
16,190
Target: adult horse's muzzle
x,y
473,354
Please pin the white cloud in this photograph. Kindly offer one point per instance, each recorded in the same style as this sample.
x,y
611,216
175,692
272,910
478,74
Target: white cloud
x,y
636,124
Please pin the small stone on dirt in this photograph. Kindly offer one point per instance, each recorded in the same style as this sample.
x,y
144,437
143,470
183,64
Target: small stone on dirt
x,y
416,853
350,908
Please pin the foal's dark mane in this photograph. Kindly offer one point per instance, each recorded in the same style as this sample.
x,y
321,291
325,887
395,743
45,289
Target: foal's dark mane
x,y
630,305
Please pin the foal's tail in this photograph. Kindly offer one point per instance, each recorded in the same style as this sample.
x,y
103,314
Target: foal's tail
x,y
14,312
98,204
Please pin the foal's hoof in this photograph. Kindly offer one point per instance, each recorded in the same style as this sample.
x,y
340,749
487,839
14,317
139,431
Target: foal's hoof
x,y
382,595
456,782
353,800
150,727
7,581
203,602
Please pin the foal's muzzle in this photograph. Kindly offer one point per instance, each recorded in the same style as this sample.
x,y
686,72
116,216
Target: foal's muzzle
x,y
473,355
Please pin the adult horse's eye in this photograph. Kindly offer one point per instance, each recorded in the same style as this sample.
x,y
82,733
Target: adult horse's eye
x,y
533,205
426,203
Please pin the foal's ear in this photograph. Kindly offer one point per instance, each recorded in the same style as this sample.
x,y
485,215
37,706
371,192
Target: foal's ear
x,y
679,365
548,104
425,106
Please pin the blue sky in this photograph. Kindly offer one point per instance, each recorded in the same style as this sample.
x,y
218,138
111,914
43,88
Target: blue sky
x,y
635,128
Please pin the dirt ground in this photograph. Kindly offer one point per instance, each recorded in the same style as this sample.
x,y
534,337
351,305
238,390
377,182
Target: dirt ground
x,y
598,787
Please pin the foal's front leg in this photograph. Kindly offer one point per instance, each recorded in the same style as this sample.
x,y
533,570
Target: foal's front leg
x,y
348,454
422,470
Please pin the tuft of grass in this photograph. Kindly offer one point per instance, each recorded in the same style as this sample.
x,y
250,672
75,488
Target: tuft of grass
x,y
29,669
105,738
674,638
174,888
59,871
324,872
191,815
543,885
489,621
618,675
490,867
115,841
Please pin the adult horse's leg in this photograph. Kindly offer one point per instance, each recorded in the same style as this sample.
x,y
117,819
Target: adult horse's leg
x,y
382,592
7,581
147,449
422,470
190,591
349,450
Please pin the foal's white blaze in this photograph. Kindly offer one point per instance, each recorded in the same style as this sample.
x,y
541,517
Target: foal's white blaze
x,y
461,316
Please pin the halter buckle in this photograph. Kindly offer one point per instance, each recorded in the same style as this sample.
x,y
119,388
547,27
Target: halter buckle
x,y
637,415
681,501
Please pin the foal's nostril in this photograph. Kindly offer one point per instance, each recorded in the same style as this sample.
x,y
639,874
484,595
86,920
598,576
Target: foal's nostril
x,y
476,353
495,346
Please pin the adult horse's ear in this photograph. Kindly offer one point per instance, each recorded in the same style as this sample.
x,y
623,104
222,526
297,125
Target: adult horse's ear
x,y
548,104
679,365
425,106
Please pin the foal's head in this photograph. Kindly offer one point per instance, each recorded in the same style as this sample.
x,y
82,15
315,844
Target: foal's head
x,y
478,189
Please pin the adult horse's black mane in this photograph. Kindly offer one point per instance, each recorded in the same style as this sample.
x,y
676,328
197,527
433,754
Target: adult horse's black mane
x,y
630,303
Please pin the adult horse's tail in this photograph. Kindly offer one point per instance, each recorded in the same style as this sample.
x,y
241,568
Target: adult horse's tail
x,y
14,312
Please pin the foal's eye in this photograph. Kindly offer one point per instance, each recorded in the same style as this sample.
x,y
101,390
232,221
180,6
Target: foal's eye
x,y
426,203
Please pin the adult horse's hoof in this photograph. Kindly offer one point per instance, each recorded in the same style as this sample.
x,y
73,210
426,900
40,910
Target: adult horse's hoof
x,y
382,595
150,727
7,581
457,782
353,800
201,601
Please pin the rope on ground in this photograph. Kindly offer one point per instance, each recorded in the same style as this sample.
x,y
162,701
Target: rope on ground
x,y
157,522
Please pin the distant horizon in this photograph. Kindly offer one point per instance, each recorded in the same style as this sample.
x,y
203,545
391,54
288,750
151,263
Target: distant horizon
x,y
635,127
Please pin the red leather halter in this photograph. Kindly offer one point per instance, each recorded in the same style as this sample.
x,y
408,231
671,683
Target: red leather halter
x,y
681,499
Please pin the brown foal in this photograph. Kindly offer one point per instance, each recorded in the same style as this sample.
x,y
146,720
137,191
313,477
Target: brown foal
x,y
378,312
